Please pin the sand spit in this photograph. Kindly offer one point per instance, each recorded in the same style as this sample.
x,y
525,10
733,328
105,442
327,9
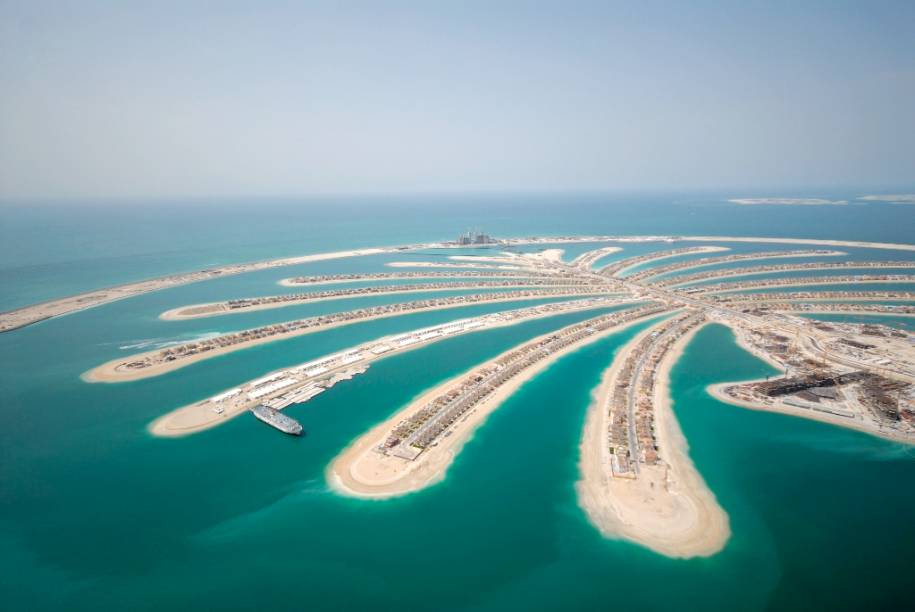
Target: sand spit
x,y
668,508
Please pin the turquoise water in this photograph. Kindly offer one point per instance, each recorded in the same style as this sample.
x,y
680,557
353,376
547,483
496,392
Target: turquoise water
x,y
96,514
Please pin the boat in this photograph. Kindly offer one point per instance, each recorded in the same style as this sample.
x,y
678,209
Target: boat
x,y
276,419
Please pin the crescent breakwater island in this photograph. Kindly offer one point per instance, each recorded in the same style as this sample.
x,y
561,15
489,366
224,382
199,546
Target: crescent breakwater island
x,y
28,315
636,481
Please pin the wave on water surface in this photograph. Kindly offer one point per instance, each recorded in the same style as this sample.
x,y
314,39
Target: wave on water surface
x,y
158,343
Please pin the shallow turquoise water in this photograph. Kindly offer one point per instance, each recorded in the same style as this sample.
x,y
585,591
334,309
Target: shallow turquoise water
x,y
96,514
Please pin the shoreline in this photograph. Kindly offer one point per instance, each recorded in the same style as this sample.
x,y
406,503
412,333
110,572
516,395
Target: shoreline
x,y
33,313
165,425
738,272
431,467
108,372
811,282
622,272
394,276
716,390
690,522
175,314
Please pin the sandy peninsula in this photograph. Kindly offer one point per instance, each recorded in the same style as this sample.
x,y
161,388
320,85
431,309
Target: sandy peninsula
x,y
27,315
360,471
622,267
199,416
116,371
668,508
214,309
717,391
857,423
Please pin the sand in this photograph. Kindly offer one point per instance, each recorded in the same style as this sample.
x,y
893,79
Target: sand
x,y
661,255
457,275
455,266
588,258
839,243
799,282
113,371
731,272
717,391
198,416
360,471
788,201
27,315
215,309
669,508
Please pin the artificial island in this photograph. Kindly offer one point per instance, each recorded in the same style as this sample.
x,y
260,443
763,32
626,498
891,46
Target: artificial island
x,y
636,478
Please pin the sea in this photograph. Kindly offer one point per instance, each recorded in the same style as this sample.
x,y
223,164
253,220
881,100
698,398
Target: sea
x,y
97,514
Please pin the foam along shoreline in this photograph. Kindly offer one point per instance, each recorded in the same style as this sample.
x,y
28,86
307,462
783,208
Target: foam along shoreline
x,y
361,471
216,309
119,370
206,414
669,510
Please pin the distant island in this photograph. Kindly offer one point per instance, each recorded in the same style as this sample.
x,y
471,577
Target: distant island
x,y
789,201
899,198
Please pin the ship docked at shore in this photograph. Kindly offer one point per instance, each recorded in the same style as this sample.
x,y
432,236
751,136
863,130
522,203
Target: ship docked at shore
x,y
276,419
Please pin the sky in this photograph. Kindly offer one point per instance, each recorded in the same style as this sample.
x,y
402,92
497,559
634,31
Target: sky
x,y
196,99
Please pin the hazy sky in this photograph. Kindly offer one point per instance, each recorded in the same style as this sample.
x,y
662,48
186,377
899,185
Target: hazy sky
x,y
149,99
